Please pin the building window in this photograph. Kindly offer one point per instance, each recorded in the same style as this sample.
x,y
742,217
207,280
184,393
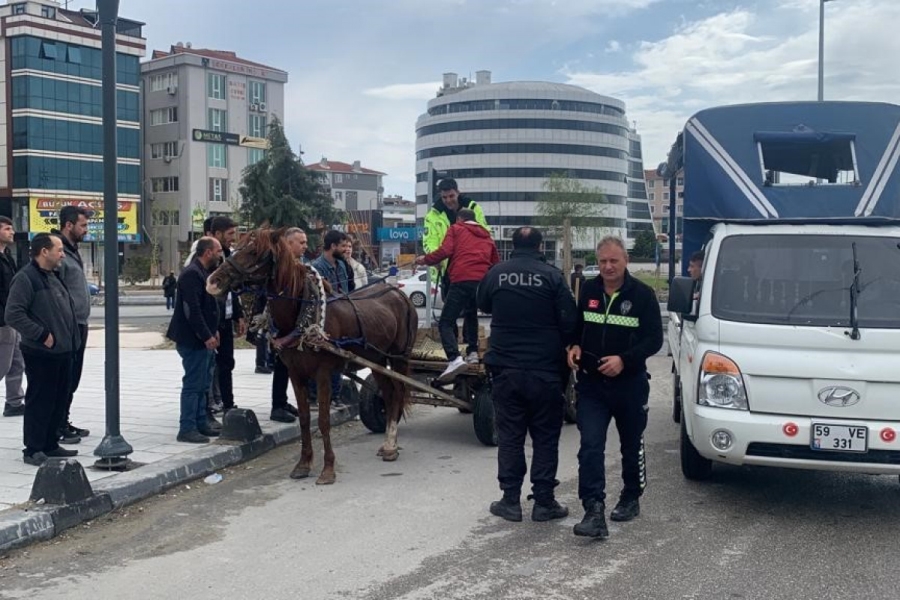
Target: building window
x,y
679,209
257,92
164,150
665,209
48,12
652,209
257,126
255,155
339,178
164,115
215,154
680,181
218,120
18,9
215,86
218,189
73,55
338,197
163,82
164,184
666,196
652,196
48,51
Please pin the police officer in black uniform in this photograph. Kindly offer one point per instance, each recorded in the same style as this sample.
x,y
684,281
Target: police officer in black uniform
x,y
534,318
619,327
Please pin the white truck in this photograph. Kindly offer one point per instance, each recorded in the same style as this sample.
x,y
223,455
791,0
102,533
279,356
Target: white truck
x,y
787,349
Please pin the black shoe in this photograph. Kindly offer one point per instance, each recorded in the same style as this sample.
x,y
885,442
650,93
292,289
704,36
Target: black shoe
x,y
208,432
282,415
68,438
212,423
192,437
61,453
507,508
263,370
547,511
36,459
594,522
625,510
78,431
291,409
338,404
13,411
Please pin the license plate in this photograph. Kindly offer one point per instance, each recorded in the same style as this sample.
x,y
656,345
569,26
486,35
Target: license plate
x,y
839,438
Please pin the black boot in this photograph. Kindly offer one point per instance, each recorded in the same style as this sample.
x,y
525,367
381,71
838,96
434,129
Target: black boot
x,y
594,522
625,510
509,507
547,510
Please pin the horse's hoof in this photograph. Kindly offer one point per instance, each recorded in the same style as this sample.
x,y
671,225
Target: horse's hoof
x,y
390,455
380,451
325,479
300,472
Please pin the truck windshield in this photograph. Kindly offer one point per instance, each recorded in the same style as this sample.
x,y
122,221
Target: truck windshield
x,y
806,279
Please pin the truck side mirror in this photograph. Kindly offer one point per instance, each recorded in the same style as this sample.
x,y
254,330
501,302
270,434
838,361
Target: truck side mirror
x,y
681,296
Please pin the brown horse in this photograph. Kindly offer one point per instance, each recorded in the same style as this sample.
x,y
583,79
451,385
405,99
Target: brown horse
x,y
379,321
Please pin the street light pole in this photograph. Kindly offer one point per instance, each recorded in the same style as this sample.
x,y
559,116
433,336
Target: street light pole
x,y
822,49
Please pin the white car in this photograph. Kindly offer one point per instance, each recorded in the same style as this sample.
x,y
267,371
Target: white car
x,y
414,287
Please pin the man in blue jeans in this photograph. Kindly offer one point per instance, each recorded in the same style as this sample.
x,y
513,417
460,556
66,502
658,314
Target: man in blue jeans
x,y
194,329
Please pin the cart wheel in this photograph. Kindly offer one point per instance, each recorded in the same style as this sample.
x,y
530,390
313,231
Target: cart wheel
x,y
485,425
571,402
371,407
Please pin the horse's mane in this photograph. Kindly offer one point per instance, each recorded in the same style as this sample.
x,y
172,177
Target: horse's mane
x,y
290,274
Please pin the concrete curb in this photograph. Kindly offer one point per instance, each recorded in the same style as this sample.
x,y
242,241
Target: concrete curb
x,y
33,523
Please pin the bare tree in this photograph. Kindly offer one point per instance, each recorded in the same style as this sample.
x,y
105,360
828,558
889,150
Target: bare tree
x,y
569,210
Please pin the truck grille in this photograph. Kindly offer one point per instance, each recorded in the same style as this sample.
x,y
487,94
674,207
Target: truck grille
x,y
880,457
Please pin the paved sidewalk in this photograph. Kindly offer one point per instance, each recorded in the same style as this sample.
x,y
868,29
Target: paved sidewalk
x,y
150,386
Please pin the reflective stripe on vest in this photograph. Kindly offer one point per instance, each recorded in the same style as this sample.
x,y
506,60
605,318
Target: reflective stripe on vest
x,y
592,317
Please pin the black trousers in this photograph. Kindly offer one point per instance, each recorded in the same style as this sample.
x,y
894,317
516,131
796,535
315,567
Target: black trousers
x,y
527,402
280,381
225,364
460,302
47,397
600,401
75,378
262,350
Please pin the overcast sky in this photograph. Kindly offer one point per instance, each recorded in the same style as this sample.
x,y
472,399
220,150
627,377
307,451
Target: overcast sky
x,y
361,71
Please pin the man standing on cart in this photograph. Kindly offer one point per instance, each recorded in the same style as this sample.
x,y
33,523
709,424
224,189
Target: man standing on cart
x,y
534,319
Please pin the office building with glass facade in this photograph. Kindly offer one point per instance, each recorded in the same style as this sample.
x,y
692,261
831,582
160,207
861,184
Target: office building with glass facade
x,y
502,141
51,135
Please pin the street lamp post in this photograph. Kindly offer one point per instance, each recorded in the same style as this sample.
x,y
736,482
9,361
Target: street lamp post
x,y
822,49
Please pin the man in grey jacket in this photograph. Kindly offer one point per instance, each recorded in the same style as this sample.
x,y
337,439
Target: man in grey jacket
x,y
40,308
73,226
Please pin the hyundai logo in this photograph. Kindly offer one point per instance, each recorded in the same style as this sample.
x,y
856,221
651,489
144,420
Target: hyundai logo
x,y
838,395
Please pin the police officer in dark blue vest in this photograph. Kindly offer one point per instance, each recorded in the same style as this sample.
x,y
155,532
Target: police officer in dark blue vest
x,y
534,319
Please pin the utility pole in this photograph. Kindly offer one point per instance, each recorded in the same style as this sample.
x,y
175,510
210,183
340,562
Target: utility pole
x,y
822,49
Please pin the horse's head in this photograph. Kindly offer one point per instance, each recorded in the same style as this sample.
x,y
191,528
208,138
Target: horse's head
x,y
252,263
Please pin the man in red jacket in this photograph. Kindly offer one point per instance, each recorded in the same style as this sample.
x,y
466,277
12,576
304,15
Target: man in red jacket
x,y
472,252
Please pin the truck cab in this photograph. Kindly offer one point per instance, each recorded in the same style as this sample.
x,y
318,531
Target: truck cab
x,y
785,352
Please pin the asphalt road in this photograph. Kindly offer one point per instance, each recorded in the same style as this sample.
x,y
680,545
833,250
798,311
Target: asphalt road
x,y
419,529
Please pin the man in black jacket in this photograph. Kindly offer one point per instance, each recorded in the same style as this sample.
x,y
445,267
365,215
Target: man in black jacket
x,y
231,316
194,329
619,328
12,364
533,322
40,308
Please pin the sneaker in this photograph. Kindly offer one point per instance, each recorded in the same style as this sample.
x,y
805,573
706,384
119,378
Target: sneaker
x,y
472,358
263,370
192,437
625,510
208,432
338,404
282,415
69,438
548,511
36,459
213,423
61,453
78,431
217,407
507,508
456,366
13,411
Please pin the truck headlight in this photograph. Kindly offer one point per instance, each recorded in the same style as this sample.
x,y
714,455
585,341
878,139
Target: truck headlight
x,y
721,383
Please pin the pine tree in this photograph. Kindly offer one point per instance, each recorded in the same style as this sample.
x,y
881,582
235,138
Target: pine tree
x,y
280,192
